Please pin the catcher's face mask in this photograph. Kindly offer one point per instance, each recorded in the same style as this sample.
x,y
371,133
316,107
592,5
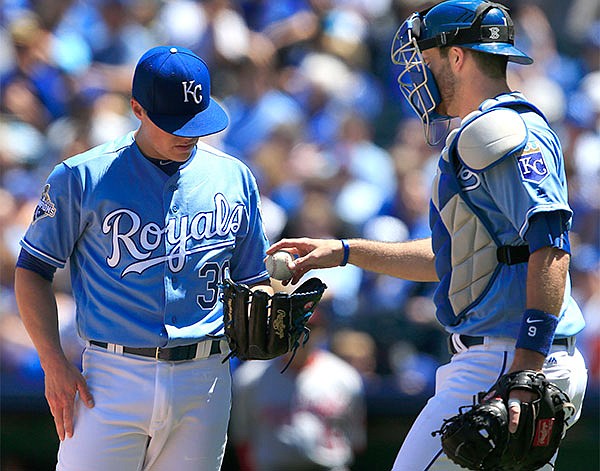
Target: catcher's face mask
x,y
416,80
479,25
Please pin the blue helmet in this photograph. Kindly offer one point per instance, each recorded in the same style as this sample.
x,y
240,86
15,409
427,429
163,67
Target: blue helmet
x,y
480,25
473,24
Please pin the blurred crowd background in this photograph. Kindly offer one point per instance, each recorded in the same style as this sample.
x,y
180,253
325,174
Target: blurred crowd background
x,y
317,115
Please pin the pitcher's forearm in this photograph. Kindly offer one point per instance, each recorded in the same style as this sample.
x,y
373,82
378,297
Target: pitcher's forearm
x,y
37,307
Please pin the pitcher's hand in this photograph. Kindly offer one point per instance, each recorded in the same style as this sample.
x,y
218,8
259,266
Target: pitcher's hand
x,y
63,380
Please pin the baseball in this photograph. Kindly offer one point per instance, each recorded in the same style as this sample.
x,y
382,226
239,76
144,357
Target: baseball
x,y
278,265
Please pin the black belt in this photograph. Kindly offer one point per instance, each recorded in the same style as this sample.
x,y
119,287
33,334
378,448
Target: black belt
x,y
180,353
512,254
469,341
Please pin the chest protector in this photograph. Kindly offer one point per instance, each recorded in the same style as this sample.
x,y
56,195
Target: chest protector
x,y
463,238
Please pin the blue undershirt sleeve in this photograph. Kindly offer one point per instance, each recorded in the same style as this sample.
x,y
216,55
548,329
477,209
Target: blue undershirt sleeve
x,y
29,262
549,229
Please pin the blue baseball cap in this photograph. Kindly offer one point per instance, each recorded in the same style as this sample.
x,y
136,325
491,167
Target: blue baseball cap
x,y
173,85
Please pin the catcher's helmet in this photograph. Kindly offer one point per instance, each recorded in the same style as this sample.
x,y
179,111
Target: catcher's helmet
x,y
473,24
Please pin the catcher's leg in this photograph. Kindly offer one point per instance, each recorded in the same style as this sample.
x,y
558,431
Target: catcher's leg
x,y
456,383
420,451
566,369
471,371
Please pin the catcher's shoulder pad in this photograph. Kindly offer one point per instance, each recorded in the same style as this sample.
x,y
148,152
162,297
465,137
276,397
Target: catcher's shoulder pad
x,y
486,138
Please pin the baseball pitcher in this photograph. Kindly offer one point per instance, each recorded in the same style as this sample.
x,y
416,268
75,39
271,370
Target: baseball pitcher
x,y
151,224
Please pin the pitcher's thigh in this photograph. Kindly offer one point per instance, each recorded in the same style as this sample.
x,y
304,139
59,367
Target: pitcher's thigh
x,y
114,433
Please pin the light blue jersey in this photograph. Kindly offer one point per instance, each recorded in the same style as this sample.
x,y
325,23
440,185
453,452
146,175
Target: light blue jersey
x,y
476,210
147,250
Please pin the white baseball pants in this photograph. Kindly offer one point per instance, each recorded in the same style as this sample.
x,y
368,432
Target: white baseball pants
x,y
150,415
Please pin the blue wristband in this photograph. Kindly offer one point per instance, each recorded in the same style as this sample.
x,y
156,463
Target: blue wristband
x,y
537,331
346,252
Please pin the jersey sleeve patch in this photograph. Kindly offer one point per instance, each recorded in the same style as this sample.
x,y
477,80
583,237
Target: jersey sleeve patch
x,y
532,166
45,207
489,137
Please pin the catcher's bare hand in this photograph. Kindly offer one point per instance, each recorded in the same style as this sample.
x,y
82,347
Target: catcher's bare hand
x,y
310,253
515,399
524,360
514,407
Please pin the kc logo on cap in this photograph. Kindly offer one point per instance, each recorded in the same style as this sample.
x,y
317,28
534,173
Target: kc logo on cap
x,y
196,92
173,85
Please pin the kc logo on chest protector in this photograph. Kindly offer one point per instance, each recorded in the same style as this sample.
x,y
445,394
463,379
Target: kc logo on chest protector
x,y
532,164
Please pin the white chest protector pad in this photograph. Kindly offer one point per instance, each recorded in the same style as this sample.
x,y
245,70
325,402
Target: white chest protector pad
x,y
486,137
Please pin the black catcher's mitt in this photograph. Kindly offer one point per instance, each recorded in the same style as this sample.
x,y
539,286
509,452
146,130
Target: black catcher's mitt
x,y
259,326
478,437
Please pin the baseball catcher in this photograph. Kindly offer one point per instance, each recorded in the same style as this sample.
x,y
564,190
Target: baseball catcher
x,y
478,437
260,327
